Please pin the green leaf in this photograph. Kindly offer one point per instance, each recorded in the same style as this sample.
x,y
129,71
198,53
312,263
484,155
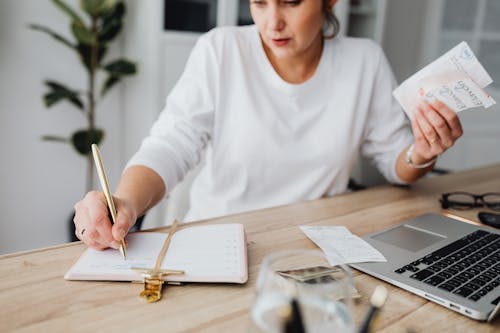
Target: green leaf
x,y
112,23
59,92
121,67
82,34
68,10
116,14
110,82
82,140
110,30
97,7
84,51
116,70
55,35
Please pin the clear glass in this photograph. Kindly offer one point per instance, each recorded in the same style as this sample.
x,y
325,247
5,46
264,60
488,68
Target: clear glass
x,y
492,200
324,293
462,199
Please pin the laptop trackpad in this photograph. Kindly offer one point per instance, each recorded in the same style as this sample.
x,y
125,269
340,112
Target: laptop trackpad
x,y
408,238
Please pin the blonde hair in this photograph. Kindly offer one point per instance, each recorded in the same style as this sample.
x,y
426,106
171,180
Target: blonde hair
x,y
331,22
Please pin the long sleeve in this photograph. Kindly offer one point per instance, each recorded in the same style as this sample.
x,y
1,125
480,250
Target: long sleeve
x,y
387,130
177,139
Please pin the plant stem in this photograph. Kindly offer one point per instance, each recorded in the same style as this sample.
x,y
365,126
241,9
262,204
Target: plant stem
x,y
91,101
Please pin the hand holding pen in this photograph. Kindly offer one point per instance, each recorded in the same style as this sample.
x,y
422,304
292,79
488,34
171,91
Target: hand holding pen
x,y
107,193
93,219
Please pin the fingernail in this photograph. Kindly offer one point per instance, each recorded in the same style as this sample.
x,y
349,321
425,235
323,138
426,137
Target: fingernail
x,y
115,245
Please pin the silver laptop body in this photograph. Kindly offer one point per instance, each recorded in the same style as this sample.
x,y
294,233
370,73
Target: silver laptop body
x,y
411,264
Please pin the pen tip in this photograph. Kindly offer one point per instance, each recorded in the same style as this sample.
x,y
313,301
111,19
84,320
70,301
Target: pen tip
x,y
123,252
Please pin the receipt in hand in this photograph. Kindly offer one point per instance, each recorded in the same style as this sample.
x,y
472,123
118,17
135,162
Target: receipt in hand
x,y
456,78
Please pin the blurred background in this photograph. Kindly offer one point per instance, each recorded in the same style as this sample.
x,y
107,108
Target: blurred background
x,y
40,181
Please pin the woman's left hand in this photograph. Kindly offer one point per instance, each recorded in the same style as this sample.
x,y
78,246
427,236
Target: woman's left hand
x,y
436,127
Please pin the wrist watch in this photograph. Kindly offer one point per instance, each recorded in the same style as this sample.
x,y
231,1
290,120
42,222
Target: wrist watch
x,y
408,160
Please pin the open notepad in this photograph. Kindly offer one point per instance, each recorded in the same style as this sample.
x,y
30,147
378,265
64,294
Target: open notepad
x,y
209,253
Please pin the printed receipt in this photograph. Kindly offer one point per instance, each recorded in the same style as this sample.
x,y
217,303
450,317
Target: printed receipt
x,y
456,78
341,246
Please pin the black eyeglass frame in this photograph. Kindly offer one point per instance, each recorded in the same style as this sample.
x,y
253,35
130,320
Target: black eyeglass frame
x,y
478,201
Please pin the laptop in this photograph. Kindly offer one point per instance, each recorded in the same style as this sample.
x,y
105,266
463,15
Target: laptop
x,y
449,262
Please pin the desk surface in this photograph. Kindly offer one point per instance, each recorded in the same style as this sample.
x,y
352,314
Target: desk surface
x,y
35,298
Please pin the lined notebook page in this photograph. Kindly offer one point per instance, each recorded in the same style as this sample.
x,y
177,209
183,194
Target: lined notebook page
x,y
212,253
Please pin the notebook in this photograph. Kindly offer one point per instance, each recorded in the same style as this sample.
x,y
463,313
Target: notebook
x,y
208,253
452,263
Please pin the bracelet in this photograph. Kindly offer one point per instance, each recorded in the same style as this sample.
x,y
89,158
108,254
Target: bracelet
x,y
408,160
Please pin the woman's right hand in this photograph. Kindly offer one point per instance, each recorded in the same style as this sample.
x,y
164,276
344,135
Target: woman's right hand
x,y
93,223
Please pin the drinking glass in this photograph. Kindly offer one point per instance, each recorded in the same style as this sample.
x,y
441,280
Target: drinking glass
x,y
323,292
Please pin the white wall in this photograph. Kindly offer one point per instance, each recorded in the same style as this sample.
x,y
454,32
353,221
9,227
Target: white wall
x,y
40,181
404,25
411,41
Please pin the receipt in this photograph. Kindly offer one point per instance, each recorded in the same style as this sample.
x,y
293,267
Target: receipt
x,y
341,246
456,78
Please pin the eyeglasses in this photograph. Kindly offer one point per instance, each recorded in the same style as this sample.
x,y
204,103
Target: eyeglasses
x,y
465,200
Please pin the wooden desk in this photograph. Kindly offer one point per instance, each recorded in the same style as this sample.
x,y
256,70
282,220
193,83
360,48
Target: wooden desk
x,y
35,298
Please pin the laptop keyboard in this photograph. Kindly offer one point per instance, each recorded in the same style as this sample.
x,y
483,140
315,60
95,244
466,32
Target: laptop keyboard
x,y
469,267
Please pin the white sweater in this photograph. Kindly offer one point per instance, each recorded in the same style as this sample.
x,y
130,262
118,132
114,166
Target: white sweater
x,y
269,142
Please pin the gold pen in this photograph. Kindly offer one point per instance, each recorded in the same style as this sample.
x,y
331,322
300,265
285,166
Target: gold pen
x,y
107,193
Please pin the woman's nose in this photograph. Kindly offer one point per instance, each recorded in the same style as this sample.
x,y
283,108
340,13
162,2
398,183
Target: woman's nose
x,y
275,19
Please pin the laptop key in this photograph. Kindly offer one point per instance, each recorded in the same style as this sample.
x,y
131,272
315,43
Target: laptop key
x,y
449,249
488,287
495,301
411,268
463,277
463,291
434,280
434,268
479,282
489,275
445,275
472,286
478,234
447,286
422,275
462,265
475,297
454,282
451,271
483,264
482,292
442,264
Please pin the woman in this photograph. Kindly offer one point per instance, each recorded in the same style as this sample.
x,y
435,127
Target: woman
x,y
282,112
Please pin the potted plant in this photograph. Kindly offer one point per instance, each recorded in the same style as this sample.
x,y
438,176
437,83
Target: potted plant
x,y
93,32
